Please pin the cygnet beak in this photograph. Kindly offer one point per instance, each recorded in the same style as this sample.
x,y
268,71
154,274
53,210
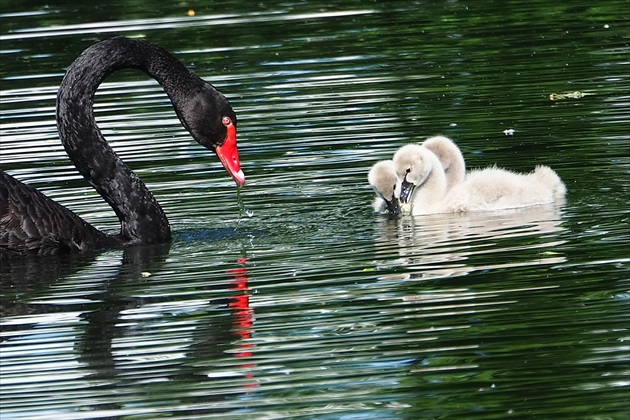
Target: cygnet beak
x,y
393,206
406,188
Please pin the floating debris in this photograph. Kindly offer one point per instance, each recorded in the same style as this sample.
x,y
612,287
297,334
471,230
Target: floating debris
x,y
570,95
509,132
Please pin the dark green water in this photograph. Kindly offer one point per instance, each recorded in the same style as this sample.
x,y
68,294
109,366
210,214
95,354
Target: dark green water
x,y
308,305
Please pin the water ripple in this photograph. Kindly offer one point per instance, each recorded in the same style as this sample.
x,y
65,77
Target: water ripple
x,y
308,305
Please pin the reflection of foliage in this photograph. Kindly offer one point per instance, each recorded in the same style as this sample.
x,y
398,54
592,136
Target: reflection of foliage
x,y
433,35
431,67
321,99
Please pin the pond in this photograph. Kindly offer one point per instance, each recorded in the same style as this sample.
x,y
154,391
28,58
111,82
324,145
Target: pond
x,y
304,303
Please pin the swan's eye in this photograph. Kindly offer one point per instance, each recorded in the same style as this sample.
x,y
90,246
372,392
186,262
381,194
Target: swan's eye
x,y
408,170
226,121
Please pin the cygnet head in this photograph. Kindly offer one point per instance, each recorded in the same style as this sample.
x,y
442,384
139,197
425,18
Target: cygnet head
x,y
414,164
450,157
382,177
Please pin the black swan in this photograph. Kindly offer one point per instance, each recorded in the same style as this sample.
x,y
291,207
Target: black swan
x,y
31,223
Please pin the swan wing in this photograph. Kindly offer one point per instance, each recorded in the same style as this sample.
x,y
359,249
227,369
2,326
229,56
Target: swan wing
x,y
32,223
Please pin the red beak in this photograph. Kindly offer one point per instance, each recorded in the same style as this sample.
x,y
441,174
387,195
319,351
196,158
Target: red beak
x,y
228,155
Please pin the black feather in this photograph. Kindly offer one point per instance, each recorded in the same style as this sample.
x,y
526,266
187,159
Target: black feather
x,y
31,223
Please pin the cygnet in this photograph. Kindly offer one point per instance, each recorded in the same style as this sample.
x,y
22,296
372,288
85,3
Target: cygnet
x,y
382,177
423,182
450,157
424,185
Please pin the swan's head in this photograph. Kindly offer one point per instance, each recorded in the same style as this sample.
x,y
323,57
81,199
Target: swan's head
x,y
208,116
413,164
443,148
450,157
382,177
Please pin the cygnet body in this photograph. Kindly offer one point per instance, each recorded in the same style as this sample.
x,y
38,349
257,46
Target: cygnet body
x,y
424,185
450,157
386,184
497,189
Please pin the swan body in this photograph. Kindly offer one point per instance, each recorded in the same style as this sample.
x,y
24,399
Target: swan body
x,y
497,189
450,157
386,184
424,186
31,223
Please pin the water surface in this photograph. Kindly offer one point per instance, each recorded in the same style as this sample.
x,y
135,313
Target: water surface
x,y
307,305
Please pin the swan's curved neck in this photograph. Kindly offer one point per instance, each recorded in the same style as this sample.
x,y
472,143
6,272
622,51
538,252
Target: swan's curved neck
x,y
428,194
142,219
